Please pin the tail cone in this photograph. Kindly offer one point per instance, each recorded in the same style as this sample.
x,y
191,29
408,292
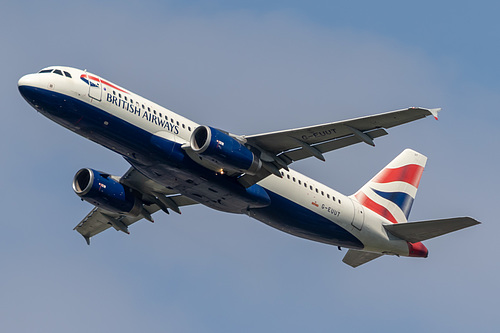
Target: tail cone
x,y
417,250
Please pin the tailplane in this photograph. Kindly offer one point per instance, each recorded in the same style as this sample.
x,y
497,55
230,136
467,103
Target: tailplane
x,y
392,191
413,233
355,258
420,231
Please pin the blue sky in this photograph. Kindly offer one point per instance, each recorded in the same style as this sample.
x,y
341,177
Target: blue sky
x,y
251,67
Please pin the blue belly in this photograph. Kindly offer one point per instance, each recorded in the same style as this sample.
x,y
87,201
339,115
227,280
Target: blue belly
x,y
292,218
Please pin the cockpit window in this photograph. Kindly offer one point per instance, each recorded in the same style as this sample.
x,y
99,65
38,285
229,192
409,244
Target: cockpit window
x,y
56,71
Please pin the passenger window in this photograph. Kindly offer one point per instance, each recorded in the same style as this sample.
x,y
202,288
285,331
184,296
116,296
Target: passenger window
x,y
177,123
67,74
125,97
189,129
183,126
300,183
288,176
57,71
119,95
294,179
339,202
310,187
317,191
328,196
333,198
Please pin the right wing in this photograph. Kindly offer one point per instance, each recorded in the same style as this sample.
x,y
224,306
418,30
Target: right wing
x,y
155,197
281,148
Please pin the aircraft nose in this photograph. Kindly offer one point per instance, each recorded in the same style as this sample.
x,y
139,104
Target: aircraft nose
x,y
26,80
29,87
25,85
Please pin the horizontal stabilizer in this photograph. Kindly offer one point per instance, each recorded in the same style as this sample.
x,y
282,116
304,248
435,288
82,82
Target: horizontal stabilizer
x,y
420,231
355,258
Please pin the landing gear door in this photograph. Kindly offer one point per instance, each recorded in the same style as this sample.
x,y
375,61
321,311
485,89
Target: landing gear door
x,y
358,218
95,87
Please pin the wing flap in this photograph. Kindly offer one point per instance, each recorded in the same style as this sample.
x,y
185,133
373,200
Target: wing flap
x,y
355,258
419,231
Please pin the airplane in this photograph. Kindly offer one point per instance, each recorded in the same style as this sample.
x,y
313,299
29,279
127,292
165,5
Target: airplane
x,y
175,162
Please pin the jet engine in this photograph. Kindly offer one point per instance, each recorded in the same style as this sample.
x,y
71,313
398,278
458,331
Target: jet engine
x,y
224,151
101,190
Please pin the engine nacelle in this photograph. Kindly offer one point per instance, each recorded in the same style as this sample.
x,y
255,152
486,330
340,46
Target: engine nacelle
x,y
103,191
224,151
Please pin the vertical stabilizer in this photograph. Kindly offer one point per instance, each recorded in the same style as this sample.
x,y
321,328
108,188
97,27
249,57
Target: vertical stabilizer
x,y
392,191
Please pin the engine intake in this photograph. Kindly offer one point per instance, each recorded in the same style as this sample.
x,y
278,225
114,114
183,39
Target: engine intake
x,y
101,190
224,150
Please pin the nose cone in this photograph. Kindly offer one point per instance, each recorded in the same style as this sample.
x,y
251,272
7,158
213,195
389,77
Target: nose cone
x,y
417,250
27,80
23,81
26,84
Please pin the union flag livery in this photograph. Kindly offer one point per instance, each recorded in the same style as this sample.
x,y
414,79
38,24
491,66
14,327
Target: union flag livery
x,y
392,191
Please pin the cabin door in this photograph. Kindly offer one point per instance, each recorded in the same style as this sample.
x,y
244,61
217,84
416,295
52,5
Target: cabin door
x,y
95,87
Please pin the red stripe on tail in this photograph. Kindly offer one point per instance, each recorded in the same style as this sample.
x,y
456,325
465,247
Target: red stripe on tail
x,y
372,205
410,174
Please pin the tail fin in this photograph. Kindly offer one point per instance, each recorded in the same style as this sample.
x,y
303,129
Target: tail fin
x,y
392,191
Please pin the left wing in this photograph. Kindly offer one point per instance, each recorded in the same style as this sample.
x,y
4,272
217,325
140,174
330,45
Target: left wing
x,y
155,197
279,149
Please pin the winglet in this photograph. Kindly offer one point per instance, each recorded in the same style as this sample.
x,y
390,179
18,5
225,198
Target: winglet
x,y
87,239
434,112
